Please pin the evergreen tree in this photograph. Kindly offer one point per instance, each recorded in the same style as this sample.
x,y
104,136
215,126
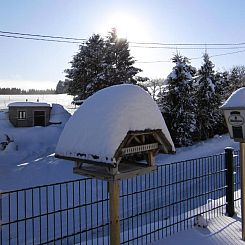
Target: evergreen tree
x,y
118,67
86,68
208,113
99,64
221,86
237,78
177,103
62,87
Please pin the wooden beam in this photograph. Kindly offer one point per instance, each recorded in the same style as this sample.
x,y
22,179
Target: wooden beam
x,y
114,191
137,139
143,138
151,158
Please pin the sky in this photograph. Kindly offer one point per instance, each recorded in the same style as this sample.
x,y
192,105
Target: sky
x,y
37,64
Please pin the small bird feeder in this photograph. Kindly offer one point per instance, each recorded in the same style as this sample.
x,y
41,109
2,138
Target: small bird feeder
x,y
234,111
115,134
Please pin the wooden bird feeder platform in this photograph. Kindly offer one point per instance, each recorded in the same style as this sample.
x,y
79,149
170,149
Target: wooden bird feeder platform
x,y
134,156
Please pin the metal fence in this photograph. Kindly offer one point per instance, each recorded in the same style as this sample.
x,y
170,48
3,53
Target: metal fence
x,y
152,206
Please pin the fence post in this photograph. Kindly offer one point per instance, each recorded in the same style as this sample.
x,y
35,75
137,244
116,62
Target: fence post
x,y
230,211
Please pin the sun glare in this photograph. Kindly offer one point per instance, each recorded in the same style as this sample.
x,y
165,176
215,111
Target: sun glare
x,y
127,26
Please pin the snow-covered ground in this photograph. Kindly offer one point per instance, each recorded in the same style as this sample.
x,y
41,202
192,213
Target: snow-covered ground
x,y
30,161
34,162
222,230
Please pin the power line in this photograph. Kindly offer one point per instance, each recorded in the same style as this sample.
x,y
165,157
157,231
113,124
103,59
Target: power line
x,y
133,46
39,39
195,58
160,45
186,48
63,39
44,36
188,44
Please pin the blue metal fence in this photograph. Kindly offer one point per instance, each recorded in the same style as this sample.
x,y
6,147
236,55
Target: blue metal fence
x,y
152,206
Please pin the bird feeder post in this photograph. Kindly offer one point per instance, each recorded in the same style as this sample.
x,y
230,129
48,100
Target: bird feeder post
x,y
114,205
242,166
234,112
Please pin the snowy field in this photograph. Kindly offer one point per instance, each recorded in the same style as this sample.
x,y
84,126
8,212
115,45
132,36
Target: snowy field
x,y
34,162
62,99
30,160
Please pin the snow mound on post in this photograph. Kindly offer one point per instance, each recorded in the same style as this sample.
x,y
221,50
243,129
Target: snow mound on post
x,y
237,99
99,126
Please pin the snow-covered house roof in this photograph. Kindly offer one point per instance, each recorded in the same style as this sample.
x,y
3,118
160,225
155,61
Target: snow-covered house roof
x,y
100,125
28,104
236,100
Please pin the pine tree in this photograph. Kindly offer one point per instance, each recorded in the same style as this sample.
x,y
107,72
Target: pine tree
x,y
208,113
118,67
99,64
237,78
86,67
177,103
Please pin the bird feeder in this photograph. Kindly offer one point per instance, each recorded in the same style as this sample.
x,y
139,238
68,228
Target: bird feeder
x,y
134,156
234,111
115,134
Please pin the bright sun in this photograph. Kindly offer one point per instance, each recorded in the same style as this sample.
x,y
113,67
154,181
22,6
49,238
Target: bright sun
x,y
127,26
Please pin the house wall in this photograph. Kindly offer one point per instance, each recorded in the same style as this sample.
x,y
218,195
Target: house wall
x,y
29,121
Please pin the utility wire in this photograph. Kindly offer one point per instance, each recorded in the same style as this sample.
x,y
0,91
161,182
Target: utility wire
x,y
195,58
133,46
39,39
63,39
45,36
185,48
188,44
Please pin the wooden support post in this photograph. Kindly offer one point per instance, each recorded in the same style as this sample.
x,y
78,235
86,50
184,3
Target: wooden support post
x,y
114,192
1,216
242,170
151,158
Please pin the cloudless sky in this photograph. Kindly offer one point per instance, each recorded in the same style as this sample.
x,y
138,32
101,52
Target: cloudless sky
x,y
38,64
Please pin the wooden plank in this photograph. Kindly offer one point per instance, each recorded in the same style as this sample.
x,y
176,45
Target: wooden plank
x,y
139,148
126,171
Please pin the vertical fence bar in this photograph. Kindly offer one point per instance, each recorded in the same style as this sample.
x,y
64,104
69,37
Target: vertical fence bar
x,y
230,211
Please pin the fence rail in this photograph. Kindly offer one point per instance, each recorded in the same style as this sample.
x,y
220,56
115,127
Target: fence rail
x,y
152,206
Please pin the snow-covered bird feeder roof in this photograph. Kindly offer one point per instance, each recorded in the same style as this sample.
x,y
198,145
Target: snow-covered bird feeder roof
x,y
28,104
236,100
234,112
111,123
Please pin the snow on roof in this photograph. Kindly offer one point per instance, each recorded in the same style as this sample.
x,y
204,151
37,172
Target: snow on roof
x,y
236,100
28,104
99,126
58,114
